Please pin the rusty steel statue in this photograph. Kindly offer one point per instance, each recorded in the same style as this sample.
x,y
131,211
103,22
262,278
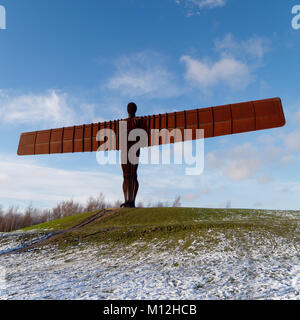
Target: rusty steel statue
x,y
130,184
214,121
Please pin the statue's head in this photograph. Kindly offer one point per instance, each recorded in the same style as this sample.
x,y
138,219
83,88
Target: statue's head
x,y
131,109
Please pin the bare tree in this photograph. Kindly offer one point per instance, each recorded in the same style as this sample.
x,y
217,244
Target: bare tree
x,y
177,202
66,208
12,219
94,204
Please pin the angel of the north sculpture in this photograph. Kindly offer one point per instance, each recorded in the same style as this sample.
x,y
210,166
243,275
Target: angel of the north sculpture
x,y
214,121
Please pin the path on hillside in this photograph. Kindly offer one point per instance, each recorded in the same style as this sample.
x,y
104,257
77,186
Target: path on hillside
x,y
56,234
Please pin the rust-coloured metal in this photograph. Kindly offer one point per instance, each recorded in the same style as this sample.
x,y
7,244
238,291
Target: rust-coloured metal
x,y
131,184
215,121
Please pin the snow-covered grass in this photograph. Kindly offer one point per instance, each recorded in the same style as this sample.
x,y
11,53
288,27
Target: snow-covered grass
x,y
162,254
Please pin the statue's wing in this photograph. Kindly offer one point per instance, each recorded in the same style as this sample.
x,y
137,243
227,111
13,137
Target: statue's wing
x,y
219,120
215,121
66,140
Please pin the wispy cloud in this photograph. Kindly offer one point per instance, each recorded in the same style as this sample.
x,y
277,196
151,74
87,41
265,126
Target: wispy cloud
x,y
254,47
226,71
240,163
234,68
292,140
274,149
29,108
23,179
51,108
143,74
195,6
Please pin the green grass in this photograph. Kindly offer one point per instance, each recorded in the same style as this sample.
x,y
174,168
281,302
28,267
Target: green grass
x,y
151,225
61,224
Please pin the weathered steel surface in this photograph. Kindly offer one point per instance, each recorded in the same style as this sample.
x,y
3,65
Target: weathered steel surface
x,y
216,121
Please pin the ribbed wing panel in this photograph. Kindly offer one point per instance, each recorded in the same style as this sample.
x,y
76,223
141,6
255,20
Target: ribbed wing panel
x,y
65,140
219,120
215,121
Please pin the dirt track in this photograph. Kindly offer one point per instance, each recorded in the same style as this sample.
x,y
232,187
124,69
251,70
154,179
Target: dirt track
x,y
54,235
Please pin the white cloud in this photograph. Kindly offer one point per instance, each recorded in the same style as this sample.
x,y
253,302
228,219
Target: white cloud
x,y
213,161
196,5
143,74
254,47
242,169
249,161
51,107
237,164
266,139
25,180
209,3
234,68
292,140
227,71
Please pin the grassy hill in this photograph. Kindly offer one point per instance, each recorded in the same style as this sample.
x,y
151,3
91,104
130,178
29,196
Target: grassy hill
x,y
125,226
156,253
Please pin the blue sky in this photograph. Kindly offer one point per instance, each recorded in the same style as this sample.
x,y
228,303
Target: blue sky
x,y
73,62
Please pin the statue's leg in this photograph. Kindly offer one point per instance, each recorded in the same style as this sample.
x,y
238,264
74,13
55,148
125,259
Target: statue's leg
x,y
130,189
135,186
135,183
126,184
130,184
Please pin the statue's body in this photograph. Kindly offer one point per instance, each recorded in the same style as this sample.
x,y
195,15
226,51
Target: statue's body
x,y
130,184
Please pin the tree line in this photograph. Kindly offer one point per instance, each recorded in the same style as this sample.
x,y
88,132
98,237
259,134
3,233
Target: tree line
x,y
14,219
